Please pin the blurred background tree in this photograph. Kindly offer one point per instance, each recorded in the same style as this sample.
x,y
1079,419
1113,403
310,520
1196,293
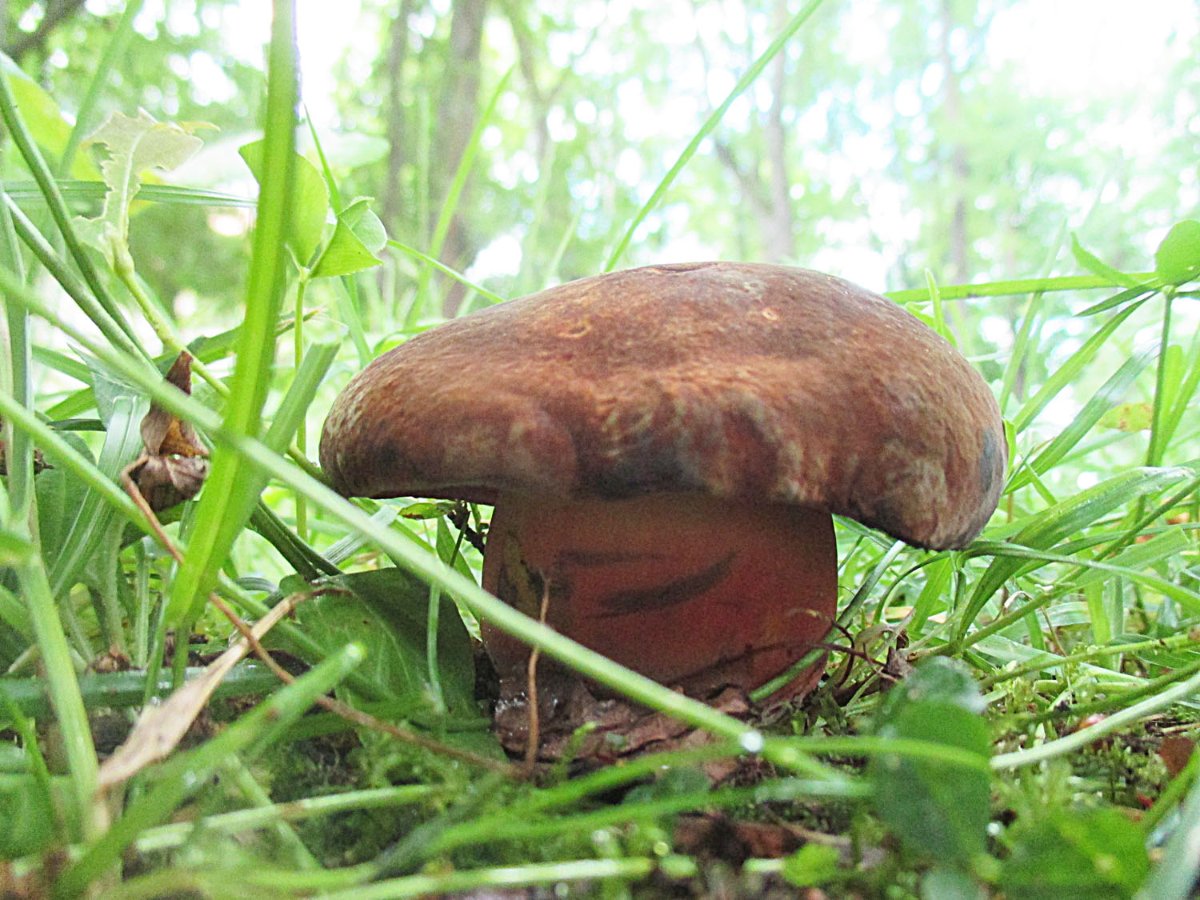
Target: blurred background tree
x,y
964,138
924,133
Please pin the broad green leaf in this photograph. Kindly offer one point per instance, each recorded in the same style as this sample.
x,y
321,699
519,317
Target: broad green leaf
x,y
135,146
90,520
309,202
937,810
14,548
366,226
1177,258
941,883
385,611
59,497
43,118
1095,853
810,866
359,235
1128,417
24,800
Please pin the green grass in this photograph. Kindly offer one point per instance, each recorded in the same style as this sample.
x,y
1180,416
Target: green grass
x,y
1080,598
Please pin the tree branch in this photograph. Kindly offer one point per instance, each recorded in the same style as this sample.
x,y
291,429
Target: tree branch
x,y
56,14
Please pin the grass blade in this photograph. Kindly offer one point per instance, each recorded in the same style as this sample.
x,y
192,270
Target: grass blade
x,y
1052,525
226,503
1101,402
748,78
184,774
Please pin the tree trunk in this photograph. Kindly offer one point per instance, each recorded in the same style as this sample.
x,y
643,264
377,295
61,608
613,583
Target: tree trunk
x,y
397,53
960,169
779,240
457,112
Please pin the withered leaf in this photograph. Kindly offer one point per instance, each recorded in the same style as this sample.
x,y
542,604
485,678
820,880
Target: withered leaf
x,y
167,480
165,434
38,463
173,465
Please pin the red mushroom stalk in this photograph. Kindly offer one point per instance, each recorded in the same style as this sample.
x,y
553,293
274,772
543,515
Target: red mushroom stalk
x,y
687,589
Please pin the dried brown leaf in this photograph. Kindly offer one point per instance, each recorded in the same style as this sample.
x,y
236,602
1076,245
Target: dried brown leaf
x,y
159,729
173,466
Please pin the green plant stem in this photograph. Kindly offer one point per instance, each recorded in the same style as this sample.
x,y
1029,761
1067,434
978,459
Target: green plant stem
x,y
163,327
1119,697
113,329
302,430
1016,286
300,556
18,378
58,207
1053,661
183,774
1155,450
224,505
450,204
445,270
509,828
166,837
65,696
108,63
996,625
243,779
108,556
123,690
142,604
432,628
522,820
1079,739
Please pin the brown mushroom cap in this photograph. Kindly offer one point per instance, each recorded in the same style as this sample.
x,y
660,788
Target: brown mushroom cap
x,y
749,382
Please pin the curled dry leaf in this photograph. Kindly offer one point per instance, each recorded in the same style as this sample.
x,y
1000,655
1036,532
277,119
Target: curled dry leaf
x,y
174,463
618,729
1175,752
38,462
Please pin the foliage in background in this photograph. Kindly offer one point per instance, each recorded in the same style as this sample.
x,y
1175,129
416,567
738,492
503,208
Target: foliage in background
x,y
514,144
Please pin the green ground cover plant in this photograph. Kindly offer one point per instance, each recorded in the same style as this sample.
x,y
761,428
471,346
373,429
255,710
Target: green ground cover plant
x,y
219,677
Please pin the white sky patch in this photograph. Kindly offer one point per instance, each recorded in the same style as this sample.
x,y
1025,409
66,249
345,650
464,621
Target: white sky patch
x,y
501,257
1096,48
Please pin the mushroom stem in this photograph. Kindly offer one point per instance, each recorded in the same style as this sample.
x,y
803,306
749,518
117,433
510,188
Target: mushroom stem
x,y
687,589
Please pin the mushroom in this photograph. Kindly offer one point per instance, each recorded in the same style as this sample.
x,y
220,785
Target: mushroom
x,y
664,448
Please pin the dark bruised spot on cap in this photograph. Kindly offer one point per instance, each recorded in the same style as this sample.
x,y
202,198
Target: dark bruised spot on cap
x,y
991,462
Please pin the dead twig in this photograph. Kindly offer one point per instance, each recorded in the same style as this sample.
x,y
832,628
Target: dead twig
x,y
535,654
